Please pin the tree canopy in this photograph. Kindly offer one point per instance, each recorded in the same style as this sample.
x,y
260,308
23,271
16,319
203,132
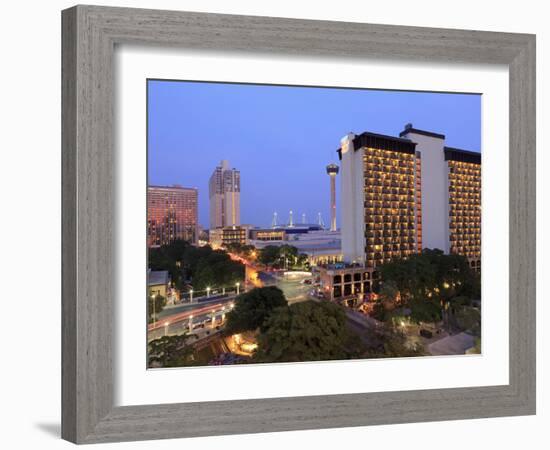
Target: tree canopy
x,y
170,351
244,250
285,256
202,265
428,284
389,342
169,257
253,308
307,331
432,272
269,255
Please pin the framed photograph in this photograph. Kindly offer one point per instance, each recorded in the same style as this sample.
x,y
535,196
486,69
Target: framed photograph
x,y
277,224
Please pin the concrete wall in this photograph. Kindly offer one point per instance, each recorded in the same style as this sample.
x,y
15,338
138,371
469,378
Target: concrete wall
x,y
352,199
435,212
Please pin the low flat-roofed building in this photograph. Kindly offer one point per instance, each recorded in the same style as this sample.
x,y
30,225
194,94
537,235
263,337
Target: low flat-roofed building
x,y
350,284
267,234
221,237
158,282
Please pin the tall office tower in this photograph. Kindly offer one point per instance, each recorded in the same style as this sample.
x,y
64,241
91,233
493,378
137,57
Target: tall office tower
x,y
172,213
332,171
379,184
451,195
225,195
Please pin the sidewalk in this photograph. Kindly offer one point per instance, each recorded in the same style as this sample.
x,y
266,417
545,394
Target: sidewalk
x,y
457,344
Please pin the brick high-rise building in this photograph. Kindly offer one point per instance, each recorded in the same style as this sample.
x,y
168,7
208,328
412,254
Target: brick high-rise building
x,y
172,213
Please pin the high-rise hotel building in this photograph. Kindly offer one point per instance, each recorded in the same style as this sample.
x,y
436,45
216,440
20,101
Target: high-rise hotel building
x,y
465,204
172,213
225,196
398,196
451,196
381,207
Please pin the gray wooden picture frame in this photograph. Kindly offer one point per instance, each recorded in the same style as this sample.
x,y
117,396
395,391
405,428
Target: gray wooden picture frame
x,y
90,34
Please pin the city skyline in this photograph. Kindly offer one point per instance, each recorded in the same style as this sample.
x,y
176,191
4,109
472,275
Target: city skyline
x,y
235,122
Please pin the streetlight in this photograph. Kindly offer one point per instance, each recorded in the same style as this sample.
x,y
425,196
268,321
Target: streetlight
x,y
208,291
191,296
238,285
155,297
166,327
191,322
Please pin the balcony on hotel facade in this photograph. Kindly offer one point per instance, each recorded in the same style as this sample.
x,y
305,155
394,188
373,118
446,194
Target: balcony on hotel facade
x,y
391,210
465,205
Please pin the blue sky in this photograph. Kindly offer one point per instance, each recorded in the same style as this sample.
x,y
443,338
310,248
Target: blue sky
x,y
282,137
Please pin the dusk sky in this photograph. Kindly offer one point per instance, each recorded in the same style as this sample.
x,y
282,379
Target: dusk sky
x,y
281,138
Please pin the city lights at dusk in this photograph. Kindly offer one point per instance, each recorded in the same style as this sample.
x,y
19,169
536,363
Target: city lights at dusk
x,y
290,224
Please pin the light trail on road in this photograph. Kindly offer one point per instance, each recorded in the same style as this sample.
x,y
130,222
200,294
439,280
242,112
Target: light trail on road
x,y
207,309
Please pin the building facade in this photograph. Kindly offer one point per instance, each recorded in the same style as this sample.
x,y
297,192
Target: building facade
x,y
380,179
400,195
267,234
450,196
172,213
464,181
346,283
158,283
225,196
221,237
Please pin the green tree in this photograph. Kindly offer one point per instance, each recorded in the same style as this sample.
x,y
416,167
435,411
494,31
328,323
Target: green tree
x,y
204,276
392,343
203,266
468,319
302,261
170,351
307,331
424,310
169,257
269,255
243,250
155,304
288,256
432,281
211,268
253,308
477,345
